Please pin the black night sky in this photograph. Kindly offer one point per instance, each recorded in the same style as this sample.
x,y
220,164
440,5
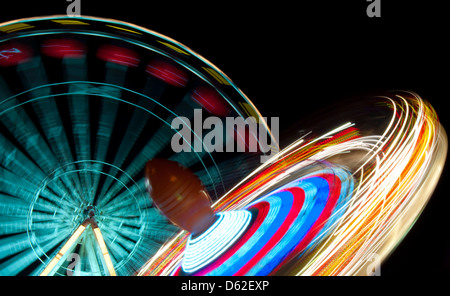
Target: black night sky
x,y
291,59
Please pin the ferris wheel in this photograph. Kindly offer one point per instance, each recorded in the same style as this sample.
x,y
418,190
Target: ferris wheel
x,y
84,103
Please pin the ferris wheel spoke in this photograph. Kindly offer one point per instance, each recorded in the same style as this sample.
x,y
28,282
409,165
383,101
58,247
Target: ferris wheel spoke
x,y
22,260
160,139
89,257
34,78
127,197
18,224
49,226
152,89
104,249
18,187
15,161
66,246
13,206
107,120
119,245
129,194
19,242
137,123
121,206
129,229
155,235
53,202
11,225
186,109
115,76
130,214
22,128
34,141
14,244
17,211
56,214
134,224
75,69
156,144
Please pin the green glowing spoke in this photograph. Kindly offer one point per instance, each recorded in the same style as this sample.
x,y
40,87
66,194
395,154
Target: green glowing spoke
x,y
128,197
52,201
89,255
19,242
13,206
21,126
106,125
138,121
17,263
48,225
121,205
115,76
14,160
9,225
47,216
135,222
89,263
124,244
16,208
131,233
13,185
154,89
128,212
14,244
154,217
76,70
160,139
123,209
134,130
33,76
57,208
115,247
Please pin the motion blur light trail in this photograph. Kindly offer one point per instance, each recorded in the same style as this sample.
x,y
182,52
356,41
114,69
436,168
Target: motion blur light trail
x,y
388,175
85,102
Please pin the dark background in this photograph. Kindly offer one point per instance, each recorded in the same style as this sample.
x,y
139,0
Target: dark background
x,y
291,58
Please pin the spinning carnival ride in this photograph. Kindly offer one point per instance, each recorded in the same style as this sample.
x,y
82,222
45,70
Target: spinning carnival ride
x,y
86,102
335,203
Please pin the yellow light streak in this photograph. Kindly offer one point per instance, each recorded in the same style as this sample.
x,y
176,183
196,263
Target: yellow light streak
x,y
174,47
70,22
65,248
104,249
216,75
123,29
394,179
15,27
